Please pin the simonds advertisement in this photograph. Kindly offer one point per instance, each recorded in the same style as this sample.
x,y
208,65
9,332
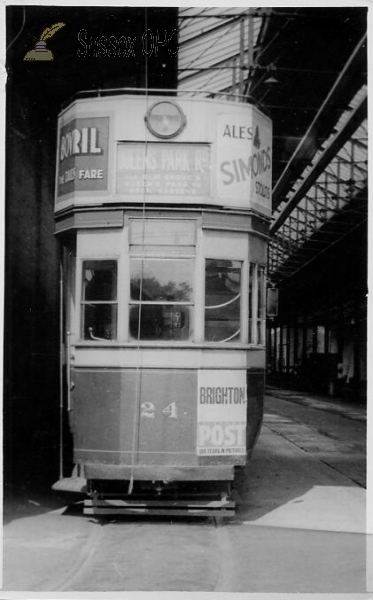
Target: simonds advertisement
x,y
244,160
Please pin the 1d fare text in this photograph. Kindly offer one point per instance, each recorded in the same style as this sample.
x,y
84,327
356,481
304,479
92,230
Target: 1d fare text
x,y
70,175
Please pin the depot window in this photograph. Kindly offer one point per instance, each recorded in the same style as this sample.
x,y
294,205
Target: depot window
x,y
223,300
99,304
161,299
256,304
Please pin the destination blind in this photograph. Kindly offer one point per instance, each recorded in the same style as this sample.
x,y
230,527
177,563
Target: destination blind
x,y
166,169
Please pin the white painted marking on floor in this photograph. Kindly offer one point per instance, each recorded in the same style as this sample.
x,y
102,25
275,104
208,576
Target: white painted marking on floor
x,y
323,508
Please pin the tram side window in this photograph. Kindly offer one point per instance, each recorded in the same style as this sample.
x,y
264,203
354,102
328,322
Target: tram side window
x,y
99,300
223,300
161,305
256,304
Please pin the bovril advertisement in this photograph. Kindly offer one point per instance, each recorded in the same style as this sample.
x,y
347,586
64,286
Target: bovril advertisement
x,y
83,155
221,414
244,159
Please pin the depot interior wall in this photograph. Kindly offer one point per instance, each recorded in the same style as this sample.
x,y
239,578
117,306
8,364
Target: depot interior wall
x,y
33,101
319,339
31,330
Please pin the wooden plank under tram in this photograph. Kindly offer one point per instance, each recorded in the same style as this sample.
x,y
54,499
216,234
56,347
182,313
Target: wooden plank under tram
x,y
120,506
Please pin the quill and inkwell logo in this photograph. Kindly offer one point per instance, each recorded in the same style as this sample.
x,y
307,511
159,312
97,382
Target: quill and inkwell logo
x,y
41,52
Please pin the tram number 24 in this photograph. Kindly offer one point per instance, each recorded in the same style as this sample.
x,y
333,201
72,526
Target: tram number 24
x,y
148,410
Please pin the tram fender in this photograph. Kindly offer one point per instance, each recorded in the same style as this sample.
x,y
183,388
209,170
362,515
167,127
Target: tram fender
x,y
76,485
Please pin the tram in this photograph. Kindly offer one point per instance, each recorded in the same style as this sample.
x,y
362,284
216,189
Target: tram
x,y
162,208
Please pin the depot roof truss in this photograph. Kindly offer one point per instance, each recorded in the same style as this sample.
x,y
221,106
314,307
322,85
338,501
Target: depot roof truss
x,y
219,48
329,198
321,191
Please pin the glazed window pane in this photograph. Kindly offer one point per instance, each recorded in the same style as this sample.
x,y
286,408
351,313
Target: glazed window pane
x,y
161,299
99,280
160,322
222,300
161,280
256,304
99,300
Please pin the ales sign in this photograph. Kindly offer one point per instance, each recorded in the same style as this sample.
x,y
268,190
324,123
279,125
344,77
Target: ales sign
x,y
244,160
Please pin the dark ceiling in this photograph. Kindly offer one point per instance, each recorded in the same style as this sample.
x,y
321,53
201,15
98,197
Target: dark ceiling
x,y
304,51
306,68
301,51
48,88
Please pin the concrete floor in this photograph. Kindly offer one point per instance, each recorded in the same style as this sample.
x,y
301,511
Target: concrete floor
x,y
299,525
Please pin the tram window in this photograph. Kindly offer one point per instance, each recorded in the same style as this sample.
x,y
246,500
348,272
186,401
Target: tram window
x,y
99,300
222,300
161,299
256,304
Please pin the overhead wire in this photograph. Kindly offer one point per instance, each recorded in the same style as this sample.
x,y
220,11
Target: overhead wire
x,y
138,378
213,43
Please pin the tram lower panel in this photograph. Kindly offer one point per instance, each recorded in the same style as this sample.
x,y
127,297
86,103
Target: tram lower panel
x,y
136,438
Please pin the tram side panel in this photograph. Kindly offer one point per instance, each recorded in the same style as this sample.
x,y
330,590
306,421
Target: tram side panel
x,y
117,424
257,322
123,413
255,397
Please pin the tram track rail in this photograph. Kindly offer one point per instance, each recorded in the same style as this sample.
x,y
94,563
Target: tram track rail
x,y
320,446
84,558
227,576
170,553
104,535
209,538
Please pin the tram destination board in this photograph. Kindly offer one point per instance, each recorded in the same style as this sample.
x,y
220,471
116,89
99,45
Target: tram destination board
x,y
164,169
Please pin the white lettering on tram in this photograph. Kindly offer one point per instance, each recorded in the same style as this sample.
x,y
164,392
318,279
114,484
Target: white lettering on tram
x,y
91,173
77,142
221,434
174,160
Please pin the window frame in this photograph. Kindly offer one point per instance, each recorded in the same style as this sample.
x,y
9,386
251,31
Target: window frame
x,y
241,331
256,304
158,256
83,302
